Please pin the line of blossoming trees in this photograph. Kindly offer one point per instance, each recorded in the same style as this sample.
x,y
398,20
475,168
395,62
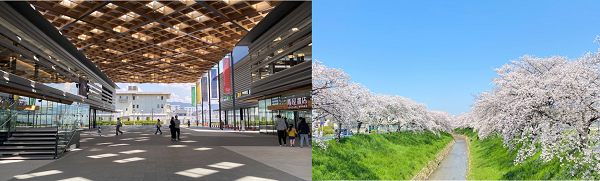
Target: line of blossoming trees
x,y
348,104
546,105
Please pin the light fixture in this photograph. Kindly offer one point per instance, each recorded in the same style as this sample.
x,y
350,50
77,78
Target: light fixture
x,y
294,29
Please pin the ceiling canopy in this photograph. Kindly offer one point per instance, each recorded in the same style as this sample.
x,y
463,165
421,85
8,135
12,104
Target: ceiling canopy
x,y
154,41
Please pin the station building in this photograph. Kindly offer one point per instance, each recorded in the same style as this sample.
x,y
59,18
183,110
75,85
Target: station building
x,y
275,77
60,60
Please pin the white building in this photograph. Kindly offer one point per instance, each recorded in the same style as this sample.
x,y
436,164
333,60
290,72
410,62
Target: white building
x,y
175,107
132,103
190,110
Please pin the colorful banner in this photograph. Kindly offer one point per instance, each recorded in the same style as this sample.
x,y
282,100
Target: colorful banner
x,y
226,77
198,92
193,96
214,84
204,85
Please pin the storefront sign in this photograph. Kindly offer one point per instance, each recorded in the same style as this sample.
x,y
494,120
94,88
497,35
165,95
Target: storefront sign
x,y
297,103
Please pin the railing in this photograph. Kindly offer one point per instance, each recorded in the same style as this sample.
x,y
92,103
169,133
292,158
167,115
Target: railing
x,y
11,112
65,130
7,135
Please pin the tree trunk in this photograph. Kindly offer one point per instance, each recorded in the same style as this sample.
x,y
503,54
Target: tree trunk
x,y
358,128
339,132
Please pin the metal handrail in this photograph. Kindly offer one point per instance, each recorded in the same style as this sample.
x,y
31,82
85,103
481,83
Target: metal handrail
x,y
56,144
8,133
9,119
66,146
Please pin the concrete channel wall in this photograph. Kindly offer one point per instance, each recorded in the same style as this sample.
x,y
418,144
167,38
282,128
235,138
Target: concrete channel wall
x,y
433,164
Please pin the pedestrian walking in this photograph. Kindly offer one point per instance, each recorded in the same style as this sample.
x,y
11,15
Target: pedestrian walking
x,y
280,125
99,131
197,124
188,123
119,126
304,131
177,130
222,124
172,128
158,127
292,134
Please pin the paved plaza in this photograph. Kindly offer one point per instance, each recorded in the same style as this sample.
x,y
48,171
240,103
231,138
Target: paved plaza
x,y
139,154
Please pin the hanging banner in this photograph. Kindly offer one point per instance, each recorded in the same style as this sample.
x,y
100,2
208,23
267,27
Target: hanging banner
x,y
193,96
204,85
214,84
198,93
226,77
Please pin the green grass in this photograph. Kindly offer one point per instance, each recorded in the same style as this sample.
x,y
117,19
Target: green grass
x,y
397,156
491,161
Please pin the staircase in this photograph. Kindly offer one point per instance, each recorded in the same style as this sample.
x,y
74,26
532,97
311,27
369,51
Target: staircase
x,y
30,143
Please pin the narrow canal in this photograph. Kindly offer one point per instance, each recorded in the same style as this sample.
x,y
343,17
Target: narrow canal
x,y
454,166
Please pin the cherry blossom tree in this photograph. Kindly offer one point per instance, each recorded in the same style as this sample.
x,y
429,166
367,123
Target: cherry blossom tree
x,y
543,104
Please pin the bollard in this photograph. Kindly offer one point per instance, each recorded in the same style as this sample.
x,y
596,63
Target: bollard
x,y
253,129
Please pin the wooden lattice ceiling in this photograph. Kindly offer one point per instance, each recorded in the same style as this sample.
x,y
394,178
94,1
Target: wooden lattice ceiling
x,y
154,41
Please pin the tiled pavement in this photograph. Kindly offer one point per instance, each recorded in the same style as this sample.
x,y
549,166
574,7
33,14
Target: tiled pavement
x,y
139,154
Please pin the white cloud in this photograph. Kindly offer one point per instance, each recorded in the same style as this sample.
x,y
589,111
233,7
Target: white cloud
x,y
175,98
188,99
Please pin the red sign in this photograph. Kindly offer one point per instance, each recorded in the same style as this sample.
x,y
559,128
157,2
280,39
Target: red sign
x,y
226,76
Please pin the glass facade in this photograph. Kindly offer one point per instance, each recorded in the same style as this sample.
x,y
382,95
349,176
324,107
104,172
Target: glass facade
x,y
39,113
45,113
299,56
18,64
262,119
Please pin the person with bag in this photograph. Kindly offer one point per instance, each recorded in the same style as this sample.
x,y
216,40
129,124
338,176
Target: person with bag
x,y
158,127
119,126
177,130
304,131
172,128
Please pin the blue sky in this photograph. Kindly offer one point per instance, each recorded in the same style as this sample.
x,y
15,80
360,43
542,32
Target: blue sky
x,y
442,52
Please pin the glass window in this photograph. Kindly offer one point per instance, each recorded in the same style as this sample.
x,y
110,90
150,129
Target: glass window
x,y
157,105
133,106
133,97
297,57
161,106
157,97
138,106
161,98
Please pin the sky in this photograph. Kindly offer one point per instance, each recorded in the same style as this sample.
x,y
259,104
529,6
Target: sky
x,y
441,53
181,92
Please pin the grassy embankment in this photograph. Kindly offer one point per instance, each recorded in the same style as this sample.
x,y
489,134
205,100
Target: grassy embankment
x,y
397,156
491,161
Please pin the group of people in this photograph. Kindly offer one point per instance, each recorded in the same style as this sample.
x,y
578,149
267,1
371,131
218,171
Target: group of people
x,y
173,126
280,124
282,128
